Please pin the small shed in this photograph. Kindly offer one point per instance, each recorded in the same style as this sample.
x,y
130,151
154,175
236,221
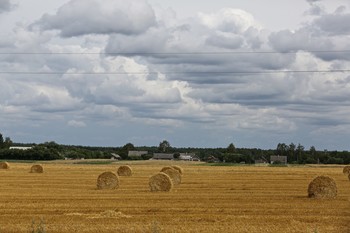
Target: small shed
x,y
278,159
115,156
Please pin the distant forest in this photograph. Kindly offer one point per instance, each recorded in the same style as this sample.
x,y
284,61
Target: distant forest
x,y
296,154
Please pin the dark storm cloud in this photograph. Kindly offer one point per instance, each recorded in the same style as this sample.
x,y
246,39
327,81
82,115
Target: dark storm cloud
x,y
81,17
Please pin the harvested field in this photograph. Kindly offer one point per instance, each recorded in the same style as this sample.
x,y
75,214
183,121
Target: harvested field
x,y
209,199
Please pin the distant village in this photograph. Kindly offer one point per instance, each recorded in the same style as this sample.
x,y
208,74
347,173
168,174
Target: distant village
x,y
282,155
135,155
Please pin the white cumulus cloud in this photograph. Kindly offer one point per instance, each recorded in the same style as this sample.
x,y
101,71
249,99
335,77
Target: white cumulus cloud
x,y
81,17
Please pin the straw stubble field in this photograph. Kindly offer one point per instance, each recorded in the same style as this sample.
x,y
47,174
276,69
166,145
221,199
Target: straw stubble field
x,y
209,199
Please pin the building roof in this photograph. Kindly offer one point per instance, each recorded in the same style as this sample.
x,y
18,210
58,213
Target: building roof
x,y
282,159
20,147
163,156
116,156
137,153
213,159
185,157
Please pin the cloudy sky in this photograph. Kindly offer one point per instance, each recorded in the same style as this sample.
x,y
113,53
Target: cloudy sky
x,y
198,74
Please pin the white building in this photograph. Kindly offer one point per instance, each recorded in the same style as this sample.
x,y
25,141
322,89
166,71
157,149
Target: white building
x,y
20,147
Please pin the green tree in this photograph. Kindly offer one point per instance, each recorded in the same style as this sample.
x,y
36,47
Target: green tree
x,y
281,149
125,150
300,153
231,148
176,155
128,147
313,153
7,143
1,141
291,150
164,146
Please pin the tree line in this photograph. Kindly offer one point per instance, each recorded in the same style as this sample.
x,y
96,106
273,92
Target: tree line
x,y
296,153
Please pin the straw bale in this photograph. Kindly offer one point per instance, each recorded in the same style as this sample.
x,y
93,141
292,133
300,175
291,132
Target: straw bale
x,y
179,169
346,170
37,169
124,170
322,187
108,180
174,175
160,182
4,165
165,168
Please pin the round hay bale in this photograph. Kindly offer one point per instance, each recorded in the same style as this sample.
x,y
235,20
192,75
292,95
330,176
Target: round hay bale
x,y
165,168
4,165
174,175
179,169
349,176
37,169
108,180
160,182
346,170
124,170
322,187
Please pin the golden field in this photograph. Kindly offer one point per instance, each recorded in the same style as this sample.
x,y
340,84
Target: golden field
x,y
210,199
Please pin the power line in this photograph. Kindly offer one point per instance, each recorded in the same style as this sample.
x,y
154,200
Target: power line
x,y
175,53
176,72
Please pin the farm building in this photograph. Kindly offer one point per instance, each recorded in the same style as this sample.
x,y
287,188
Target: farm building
x,y
278,159
20,147
188,157
195,158
163,156
185,157
262,160
213,159
137,153
259,161
115,156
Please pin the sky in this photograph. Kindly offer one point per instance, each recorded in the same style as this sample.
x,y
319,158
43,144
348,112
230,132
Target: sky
x,y
197,74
